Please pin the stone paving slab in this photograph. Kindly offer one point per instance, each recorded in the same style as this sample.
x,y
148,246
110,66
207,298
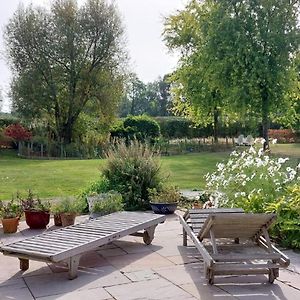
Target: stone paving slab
x,y
128,269
157,289
47,285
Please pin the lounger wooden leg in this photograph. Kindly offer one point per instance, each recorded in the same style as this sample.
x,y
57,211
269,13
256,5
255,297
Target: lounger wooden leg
x,y
24,264
211,276
271,275
73,263
184,235
148,235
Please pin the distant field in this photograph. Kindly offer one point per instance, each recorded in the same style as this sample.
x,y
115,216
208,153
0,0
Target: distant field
x,y
57,178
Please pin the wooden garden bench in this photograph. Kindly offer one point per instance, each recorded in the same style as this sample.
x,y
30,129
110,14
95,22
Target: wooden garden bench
x,y
69,243
251,253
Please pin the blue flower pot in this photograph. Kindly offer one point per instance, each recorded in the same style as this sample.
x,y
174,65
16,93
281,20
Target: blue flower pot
x,y
163,208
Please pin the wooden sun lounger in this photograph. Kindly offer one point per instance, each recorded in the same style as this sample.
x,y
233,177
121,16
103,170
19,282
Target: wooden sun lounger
x,y
251,253
69,243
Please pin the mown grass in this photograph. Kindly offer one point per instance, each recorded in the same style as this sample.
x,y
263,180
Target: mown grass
x,y
57,178
291,150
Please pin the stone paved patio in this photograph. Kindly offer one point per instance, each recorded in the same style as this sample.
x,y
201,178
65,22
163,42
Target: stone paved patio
x,y
128,269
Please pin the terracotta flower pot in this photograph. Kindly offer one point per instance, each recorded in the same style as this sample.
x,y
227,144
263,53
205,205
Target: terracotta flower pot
x,y
10,225
67,219
57,220
37,219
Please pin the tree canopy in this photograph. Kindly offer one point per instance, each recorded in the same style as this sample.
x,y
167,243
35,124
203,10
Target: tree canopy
x,y
66,61
140,98
236,57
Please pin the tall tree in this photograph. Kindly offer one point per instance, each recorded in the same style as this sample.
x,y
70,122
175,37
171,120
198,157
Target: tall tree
x,y
242,49
65,61
152,98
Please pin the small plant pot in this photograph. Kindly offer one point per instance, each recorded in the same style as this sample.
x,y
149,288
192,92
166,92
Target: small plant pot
x,y
57,220
67,219
37,219
163,208
10,225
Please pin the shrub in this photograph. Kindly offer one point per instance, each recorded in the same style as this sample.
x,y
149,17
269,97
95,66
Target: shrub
x,y
251,179
131,170
142,128
108,203
287,208
17,132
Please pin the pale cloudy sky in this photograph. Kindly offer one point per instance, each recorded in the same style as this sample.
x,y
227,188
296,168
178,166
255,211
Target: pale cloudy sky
x,y
143,20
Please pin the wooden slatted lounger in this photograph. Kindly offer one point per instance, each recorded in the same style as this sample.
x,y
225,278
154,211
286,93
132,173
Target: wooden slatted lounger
x,y
69,243
253,254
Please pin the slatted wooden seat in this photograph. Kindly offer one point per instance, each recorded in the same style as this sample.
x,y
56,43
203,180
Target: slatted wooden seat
x,y
195,218
69,243
253,254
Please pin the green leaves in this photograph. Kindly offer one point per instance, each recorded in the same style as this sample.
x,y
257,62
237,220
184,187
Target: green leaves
x,y
235,55
66,60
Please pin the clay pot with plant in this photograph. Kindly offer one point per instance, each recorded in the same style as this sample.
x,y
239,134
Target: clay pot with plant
x,y
37,212
165,200
68,208
10,214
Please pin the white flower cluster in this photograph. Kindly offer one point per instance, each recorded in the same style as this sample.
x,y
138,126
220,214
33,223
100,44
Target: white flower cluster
x,y
250,173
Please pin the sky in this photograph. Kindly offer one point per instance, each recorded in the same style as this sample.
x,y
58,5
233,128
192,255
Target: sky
x,y
143,21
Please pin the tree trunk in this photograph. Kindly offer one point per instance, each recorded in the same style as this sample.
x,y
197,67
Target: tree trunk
x,y
265,116
216,125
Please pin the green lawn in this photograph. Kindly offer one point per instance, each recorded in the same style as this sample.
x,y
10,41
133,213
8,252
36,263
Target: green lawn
x,y
50,178
292,150
57,178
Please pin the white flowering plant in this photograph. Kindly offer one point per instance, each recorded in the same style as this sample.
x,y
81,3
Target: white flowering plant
x,y
251,179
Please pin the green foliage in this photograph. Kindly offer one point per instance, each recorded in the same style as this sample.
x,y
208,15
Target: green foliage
x,y
96,187
69,205
236,59
179,127
67,60
251,179
167,194
32,202
152,98
10,209
131,170
112,202
145,127
287,208
142,128
259,183
6,120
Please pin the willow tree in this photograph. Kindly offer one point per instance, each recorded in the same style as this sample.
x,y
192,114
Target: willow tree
x,y
241,50
66,61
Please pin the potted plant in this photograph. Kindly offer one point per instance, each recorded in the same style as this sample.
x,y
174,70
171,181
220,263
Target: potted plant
x,y
164,201
68,208
10,214
104,203
55,209
37,213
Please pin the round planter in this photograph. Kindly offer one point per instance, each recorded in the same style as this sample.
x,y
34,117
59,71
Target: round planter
x,y
57,220
163,208
10,225
67,219
37,219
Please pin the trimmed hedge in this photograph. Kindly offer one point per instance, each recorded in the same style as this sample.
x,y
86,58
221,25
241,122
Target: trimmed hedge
x,y
136,127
